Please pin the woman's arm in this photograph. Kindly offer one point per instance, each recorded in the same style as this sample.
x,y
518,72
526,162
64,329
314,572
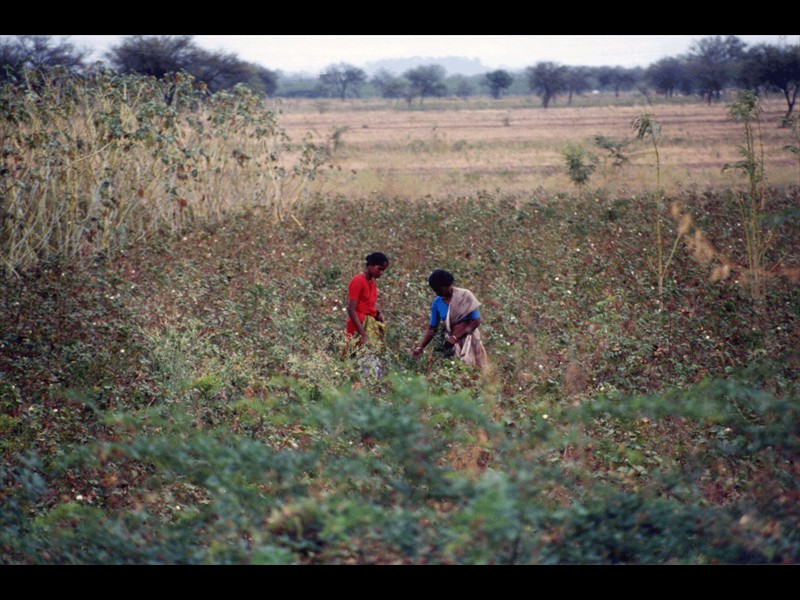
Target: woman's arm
x,y
462,329
351,311
425,341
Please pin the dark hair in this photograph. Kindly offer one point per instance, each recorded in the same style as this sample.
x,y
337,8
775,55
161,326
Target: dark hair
x,y
440,279
377,258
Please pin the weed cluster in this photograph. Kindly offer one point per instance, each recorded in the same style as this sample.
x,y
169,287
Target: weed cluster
x,y
93,163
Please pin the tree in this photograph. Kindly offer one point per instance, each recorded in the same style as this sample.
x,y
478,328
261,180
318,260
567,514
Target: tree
x,y
497,82
714,61
157,56
547,79
154,55
265,80
617,78
11,59
34,51
668,75
426,80
389,85
221,71
577,80
41,51
462,87
341,78
777,67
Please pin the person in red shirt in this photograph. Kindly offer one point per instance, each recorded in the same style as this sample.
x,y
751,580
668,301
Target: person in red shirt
x,y
362,296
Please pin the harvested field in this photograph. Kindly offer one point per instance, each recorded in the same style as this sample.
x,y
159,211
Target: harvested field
x,y
393,150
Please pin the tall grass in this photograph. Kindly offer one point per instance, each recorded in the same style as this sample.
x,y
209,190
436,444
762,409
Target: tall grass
x,y
92,163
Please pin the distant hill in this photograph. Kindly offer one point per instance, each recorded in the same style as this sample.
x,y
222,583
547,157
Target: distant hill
x,y
453,65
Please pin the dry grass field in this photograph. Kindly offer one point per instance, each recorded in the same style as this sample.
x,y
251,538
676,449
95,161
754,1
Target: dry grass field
x,y
460,147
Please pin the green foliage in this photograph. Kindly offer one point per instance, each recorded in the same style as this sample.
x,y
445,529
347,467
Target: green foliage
x,y
747,110
647,126
547,79
580,164
374,469
498,82
335,140
614,149
752,205
251,448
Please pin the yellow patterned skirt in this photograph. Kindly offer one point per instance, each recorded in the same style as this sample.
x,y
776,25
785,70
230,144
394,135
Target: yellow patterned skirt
x,y
376,339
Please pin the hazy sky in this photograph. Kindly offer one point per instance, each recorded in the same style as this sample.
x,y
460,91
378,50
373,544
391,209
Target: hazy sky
x,y
312,53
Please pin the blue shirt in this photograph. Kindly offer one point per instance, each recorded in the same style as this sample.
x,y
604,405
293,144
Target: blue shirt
x,y
439,310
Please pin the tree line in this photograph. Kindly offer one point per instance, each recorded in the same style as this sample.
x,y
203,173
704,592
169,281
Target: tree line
x,y
153,56
711,65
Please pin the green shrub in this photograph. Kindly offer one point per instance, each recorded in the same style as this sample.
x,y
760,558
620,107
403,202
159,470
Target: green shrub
x,y
374,481
580,164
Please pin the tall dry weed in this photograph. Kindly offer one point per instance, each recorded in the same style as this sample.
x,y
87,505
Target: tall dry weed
x,y
721,264
92,163
752,203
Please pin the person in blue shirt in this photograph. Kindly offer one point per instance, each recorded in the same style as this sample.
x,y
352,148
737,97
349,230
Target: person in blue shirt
x,y
457,308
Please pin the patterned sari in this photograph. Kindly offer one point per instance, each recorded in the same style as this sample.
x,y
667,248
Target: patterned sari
x,y
376,335
469,348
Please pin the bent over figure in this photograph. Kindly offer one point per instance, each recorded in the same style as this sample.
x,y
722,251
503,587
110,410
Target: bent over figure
x,y
457,308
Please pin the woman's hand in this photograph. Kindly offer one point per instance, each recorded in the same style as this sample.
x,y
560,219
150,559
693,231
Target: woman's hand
x,y
462,329
421,346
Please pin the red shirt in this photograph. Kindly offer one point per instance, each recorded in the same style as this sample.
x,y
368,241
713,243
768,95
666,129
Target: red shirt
x,y
365,293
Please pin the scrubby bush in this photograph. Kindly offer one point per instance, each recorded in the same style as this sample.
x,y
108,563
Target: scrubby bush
x,y
379,479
